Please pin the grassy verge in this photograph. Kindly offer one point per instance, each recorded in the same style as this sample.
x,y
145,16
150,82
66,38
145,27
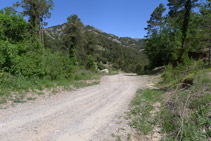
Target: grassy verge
x,y
185,110
10,84
185,114
141,110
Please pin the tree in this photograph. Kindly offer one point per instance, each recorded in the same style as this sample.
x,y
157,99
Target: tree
x,y
154,42
181,34
189,4
90,43
37,11
175,7
186,20
156,22
176,10
205,16
13,27
10,10
72,35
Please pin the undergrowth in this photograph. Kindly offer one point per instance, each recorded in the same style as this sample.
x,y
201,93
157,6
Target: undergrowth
x,y
173,75
186,110
140,110
10,84
185,97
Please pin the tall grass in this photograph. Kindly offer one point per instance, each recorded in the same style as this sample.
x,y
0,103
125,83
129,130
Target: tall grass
x,y
185,114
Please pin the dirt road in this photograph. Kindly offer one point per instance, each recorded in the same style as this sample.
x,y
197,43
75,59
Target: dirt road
x,y
80,115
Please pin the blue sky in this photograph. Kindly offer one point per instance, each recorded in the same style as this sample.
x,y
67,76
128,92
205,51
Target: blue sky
x,y
124,18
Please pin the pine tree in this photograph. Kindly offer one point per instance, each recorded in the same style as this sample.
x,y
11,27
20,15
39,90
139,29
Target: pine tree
x,y
156,22
205,16
72,35
175,7
189,4
37,11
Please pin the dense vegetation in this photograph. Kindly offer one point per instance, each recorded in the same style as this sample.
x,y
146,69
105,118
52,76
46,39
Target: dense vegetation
x,y
32,57
106,49
185,112
25,63
183,32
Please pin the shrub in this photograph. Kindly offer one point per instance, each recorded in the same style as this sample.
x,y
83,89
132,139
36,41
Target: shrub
x,y
100,66
12,27
139,69
181,71
29,60
91,65
57,65
8,53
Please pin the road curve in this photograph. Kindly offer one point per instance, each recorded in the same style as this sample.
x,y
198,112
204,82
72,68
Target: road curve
x,y
80,115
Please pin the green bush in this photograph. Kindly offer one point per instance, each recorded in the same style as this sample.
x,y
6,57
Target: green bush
x,y
8,53
20,60
12,27
181,71
139,69
29,60
100,66
57,65
91,65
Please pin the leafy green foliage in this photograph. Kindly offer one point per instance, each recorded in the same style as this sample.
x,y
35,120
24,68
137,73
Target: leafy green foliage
x,y
37,11
156,22
139,69
72,36
57,65
182,71
12,27
183,32
91,65
175,7
100,66
22,60
24,57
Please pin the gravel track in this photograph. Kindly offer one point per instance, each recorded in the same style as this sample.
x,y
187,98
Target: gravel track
x,y
82,115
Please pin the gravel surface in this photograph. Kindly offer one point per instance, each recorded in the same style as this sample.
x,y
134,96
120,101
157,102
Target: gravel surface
x,y
87,114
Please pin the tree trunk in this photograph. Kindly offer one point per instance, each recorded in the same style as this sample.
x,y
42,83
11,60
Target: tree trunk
x,y
42,35
186,20
210,54
160,31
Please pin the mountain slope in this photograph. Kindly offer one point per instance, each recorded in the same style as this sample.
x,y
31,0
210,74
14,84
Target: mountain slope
x,y
107,49
124,41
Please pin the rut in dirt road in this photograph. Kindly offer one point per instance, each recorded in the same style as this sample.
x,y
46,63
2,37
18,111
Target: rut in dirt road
x,y
80,115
